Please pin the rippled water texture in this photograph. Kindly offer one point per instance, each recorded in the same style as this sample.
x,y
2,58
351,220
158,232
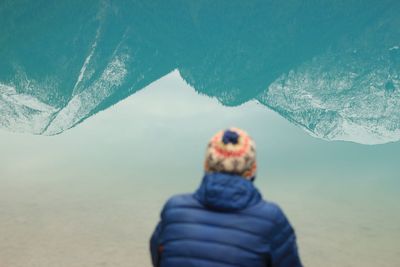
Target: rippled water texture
x,y
81,187
332,68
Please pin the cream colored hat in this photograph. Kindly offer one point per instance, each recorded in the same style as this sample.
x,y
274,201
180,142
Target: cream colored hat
x,y
231,151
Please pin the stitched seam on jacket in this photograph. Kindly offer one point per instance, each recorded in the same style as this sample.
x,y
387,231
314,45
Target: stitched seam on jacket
x,y
286,246
218,226
205,259
210,241
284,234
239,213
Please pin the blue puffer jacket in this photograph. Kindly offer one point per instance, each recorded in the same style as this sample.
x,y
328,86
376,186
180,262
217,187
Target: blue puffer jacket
x,y
225,223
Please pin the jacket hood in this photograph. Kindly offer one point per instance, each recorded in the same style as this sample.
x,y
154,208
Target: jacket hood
x,y
227,192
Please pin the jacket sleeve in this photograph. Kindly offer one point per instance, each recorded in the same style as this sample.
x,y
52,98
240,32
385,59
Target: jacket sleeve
x,y
284,252
154,245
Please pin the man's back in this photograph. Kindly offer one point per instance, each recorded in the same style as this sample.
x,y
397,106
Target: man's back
x,y
224,223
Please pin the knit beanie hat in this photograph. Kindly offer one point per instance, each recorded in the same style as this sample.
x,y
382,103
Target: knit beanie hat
x,y
231,151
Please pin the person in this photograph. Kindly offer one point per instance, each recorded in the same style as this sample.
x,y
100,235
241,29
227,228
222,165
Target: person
x,y
225,222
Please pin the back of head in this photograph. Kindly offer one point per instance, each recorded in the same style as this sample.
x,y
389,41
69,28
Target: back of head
x,y
231,151
230,167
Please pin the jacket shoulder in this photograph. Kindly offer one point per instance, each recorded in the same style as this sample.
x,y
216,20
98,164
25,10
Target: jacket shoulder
x,y
267,210
181,200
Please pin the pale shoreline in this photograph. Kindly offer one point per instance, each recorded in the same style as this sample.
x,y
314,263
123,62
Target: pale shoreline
x,y
48,223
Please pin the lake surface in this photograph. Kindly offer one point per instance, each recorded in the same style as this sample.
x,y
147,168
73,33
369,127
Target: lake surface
x,y
106,109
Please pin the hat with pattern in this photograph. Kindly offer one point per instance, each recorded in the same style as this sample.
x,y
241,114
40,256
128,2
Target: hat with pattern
x,y
231,151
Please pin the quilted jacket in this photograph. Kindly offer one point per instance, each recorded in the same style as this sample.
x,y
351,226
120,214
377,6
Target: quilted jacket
x,y
224,223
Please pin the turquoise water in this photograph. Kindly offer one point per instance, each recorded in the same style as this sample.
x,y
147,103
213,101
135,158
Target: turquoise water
x,y
315,84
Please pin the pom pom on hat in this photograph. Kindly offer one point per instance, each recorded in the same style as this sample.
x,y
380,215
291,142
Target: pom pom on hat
x,y
230,137
231,151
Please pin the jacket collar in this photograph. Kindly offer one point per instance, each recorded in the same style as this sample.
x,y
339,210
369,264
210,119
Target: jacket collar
x,y
227,192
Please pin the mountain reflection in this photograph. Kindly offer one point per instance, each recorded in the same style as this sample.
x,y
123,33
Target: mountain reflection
x,y
331,68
